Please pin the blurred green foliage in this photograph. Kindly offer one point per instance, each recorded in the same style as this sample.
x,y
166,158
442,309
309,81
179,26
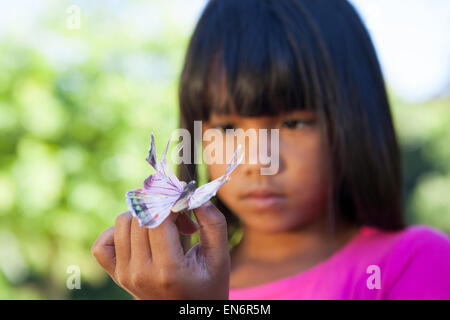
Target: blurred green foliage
x,y
424,133
75,117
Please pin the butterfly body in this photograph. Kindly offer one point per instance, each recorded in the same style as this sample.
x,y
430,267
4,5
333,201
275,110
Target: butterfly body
x,y
183,201
163,193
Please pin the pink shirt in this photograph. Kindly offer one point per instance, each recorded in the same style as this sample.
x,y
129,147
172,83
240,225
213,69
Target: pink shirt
x,y
410,264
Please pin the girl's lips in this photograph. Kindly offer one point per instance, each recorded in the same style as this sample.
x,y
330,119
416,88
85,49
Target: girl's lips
x,y
261,193
264,202
263,198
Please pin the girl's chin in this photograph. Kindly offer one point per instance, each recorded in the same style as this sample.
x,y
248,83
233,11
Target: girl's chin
x,y
269,221
270,228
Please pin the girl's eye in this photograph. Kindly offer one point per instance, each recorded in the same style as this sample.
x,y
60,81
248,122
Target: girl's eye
x,y
225,126
296,123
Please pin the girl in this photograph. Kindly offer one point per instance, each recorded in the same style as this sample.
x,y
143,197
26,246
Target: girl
x,y
329,224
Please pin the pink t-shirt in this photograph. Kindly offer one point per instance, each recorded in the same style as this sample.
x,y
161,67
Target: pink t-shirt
x,y
413,263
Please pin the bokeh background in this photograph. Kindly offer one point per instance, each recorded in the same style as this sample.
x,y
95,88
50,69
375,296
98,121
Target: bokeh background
x,y
78,99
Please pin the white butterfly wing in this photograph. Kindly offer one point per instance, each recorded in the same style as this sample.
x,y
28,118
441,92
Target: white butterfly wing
x,y
205,192
150,209
209,190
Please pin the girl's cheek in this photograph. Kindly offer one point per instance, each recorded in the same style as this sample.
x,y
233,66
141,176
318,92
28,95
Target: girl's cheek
x,y
215,170
303,152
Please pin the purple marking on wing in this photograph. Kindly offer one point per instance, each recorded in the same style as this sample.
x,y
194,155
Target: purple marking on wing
x,y
151,156
163,162
159,184
173,178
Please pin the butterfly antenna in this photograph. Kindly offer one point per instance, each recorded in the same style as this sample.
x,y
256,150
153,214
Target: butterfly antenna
x,y
186,168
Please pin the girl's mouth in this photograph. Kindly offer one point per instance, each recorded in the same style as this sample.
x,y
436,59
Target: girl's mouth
x,y
263,198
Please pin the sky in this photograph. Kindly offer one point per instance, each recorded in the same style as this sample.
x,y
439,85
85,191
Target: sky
x,y
412,37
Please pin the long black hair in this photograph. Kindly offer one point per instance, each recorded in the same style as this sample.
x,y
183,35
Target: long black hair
x,y
273,56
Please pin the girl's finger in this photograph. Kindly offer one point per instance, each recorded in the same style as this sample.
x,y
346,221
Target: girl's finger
x,y
213,236
122,232
104,251
140,243
165,243
186,225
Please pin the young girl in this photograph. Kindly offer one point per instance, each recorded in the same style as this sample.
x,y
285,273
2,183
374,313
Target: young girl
x,y
329,224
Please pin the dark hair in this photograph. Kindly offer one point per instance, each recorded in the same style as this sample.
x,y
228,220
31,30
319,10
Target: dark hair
x,y
274,56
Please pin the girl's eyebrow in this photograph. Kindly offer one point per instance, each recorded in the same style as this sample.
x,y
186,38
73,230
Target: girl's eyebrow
x,y
300,114
236,119
222,117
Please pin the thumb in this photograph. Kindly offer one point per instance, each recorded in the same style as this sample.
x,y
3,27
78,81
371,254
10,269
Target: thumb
x,y
213,235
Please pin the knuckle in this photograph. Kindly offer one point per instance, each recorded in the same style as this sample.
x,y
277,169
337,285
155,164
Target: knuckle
x,y
123,279
171,266
139,280
166,278
219,221
96,250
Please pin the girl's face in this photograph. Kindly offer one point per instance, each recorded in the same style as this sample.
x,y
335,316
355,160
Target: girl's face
x,y
292,197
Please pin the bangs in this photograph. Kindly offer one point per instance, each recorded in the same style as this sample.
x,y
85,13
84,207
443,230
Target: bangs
x,y
253,61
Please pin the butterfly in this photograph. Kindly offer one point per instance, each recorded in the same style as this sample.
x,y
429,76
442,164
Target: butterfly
x,y
163,193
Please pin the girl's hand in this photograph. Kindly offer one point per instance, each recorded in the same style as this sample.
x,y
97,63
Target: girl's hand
x,y
151,264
